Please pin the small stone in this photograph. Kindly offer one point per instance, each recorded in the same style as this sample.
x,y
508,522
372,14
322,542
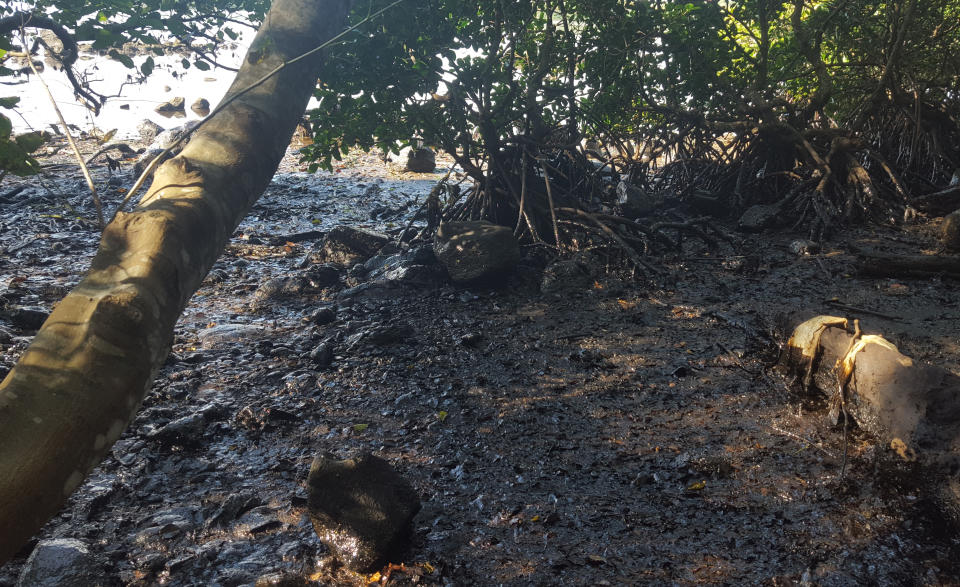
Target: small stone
x,y
172,107
361,509
476,250
422,160
200,107
61,562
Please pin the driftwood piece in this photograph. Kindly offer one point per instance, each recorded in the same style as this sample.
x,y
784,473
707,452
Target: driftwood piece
x,y
939,203
912,408
875,265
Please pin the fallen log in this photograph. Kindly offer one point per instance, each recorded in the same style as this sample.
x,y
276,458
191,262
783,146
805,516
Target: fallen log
x,y
875,265
912,408
939,203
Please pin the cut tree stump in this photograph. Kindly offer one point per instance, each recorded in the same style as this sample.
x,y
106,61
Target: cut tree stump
x,y
912,408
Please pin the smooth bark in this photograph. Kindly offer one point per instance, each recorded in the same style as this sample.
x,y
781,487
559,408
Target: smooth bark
x,y
81,381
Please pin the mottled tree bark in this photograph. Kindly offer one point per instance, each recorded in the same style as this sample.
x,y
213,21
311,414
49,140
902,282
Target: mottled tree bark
x,y
81,381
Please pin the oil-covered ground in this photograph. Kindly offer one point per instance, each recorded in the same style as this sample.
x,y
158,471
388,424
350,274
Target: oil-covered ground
x,y
614,429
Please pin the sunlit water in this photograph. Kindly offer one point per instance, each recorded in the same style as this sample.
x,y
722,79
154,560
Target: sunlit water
x,y
135,102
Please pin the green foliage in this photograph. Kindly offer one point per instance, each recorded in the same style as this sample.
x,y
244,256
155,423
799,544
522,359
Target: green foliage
x,y
15,151
655,72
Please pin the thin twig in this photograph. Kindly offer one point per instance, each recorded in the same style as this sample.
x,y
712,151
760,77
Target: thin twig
x,y
186,134
812,443
66,130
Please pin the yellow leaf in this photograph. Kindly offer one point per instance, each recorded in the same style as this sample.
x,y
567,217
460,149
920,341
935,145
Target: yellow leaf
x,y
698,486
441,415
428,568
374,578
358,428
535,518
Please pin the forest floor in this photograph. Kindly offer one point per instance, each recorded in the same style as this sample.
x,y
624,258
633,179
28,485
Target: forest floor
x,y
620,430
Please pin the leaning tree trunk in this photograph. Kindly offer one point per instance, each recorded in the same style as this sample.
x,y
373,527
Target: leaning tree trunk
x,y
81,381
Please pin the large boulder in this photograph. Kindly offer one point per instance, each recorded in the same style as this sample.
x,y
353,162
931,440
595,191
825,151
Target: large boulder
x,y
950,232
422,160
635,202
345,246
477,250
361,509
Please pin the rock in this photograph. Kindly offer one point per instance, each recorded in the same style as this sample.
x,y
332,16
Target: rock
x,y
5,335
634,201
258,520
380,290
148,130
361,509
61,562
200,107
161,143
759,217
422,160
225,334
345,246
472,251
282,580
416,275
380,335
172,107
323,315
167,138
802,247
566,275
950,231
322,355
25,318
185,430
145,159
310,282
